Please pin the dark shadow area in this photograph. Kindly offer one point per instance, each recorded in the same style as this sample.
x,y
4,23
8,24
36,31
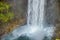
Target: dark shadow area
x,y
23,38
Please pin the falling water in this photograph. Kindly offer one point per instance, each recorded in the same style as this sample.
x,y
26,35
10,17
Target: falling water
x,y
35,12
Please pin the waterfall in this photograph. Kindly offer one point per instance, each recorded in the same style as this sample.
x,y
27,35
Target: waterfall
x,y
34,29
35,12
35,20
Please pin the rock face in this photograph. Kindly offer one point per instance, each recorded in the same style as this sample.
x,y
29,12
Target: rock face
x,y
50,13
19,7
57,20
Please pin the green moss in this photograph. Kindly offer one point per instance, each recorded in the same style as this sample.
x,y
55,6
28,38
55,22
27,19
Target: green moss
x,y
7,15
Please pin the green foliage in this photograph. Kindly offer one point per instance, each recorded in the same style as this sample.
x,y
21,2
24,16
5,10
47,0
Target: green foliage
x,y
4,6
10,15
7,15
